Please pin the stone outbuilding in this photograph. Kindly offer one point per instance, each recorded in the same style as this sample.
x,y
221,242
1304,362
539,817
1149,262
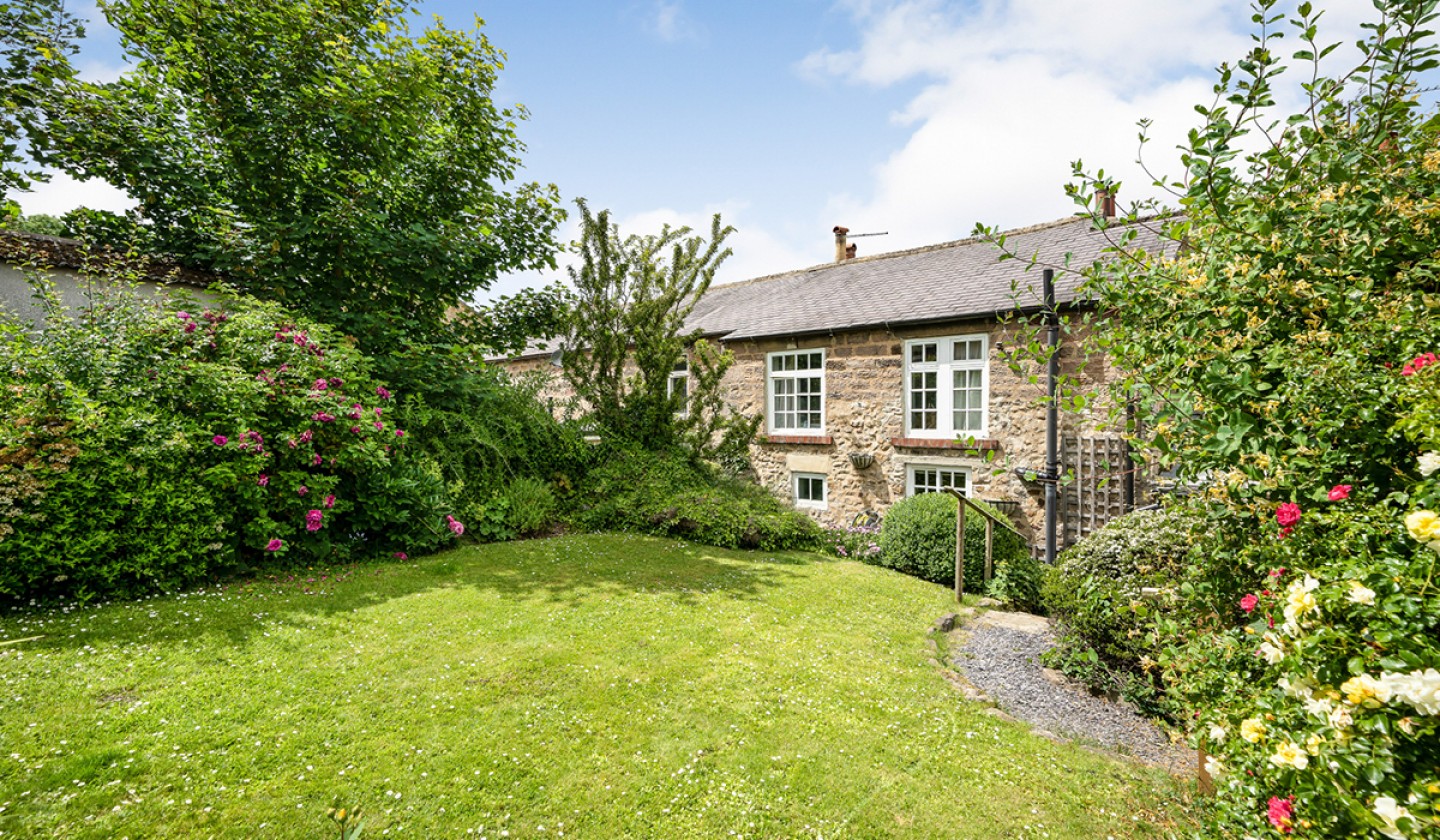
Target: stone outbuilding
x,y
885,376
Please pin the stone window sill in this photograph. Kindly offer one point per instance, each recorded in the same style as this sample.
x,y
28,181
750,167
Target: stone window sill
x,y
980,444
811,440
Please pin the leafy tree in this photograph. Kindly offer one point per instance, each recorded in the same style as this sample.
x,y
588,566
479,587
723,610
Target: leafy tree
x,y
36,39
40,223
1282,352
318,153
626,335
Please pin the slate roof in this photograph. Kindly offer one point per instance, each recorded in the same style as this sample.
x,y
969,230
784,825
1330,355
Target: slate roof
x,y
947,282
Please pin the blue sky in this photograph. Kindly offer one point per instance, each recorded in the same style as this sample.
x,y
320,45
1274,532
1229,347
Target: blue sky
x,y
915,117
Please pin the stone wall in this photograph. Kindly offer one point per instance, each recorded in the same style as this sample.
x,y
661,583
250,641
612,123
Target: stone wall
x,y
864,405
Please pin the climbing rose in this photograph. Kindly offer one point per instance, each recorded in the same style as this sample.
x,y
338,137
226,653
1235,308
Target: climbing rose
x,y
313,520
1339,492
219,440
274,545
1282,813
1287,515
1248,603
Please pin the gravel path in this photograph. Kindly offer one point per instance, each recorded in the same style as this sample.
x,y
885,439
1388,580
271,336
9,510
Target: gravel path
x,y
1000,655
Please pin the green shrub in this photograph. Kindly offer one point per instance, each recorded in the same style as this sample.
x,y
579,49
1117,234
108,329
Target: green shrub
x,y
918,538
532,505
143,448
669,494
1017,582
1094,593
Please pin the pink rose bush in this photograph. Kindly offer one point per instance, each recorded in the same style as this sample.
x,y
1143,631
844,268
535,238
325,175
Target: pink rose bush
x,y
230,413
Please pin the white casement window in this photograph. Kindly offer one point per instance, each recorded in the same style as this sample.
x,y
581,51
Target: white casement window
x,y
920,478
679,383
809,489
795,384
947,386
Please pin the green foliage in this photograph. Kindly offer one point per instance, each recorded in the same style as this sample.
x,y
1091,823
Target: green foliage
x,y
624,338
36,39
508,325
40,223
318,153
918,538
854,542
145,447
1017,582
1094,592
669,494
532,506
1279,360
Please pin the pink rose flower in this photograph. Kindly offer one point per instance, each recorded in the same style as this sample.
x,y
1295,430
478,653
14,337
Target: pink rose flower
x,y
306,436
1248,603
190,327
313,520
303,490
183,315
355,430
263,480
379,425
219,440
399,433
330,501
1339,492
382,393
320,385
454,526
274,545
322,417
1282,813
1287,515
400,555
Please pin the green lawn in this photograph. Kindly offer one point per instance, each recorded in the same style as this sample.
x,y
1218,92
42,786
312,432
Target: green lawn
x,y
585,686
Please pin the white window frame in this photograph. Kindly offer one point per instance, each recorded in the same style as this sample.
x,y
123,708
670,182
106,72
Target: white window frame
x,y
679,379
945,367
823,503
772,376
910,470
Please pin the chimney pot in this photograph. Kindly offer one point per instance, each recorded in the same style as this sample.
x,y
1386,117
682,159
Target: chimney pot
x,y
849,252
1105,201
841,246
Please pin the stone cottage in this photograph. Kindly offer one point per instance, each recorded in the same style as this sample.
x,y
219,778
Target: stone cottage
x,y
881,377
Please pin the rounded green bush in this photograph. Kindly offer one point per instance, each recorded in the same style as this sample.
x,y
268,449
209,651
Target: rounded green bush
x,y
1094,592
918,538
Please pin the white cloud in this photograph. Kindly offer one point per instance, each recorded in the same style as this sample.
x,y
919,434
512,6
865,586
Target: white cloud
x,y
670,23
62,194
1012,91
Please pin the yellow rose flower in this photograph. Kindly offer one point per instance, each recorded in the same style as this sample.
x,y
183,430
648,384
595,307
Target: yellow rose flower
x,y
1290,755
1252,730
1423,525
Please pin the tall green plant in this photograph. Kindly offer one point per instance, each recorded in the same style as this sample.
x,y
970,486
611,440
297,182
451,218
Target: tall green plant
x,y
627,334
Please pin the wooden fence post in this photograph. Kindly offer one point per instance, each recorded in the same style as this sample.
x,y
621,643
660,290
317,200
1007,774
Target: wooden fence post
x,y
959,549
989,545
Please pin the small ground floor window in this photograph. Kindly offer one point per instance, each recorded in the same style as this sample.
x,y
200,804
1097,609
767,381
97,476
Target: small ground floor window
x,y
809,489
927,479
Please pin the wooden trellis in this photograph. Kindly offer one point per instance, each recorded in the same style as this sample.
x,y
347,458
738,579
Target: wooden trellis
x,y
1095,493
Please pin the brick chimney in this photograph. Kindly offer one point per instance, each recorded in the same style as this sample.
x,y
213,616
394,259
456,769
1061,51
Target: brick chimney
x,y
1105,201
843,250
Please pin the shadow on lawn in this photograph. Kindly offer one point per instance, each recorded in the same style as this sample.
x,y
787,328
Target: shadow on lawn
x,y
566,571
